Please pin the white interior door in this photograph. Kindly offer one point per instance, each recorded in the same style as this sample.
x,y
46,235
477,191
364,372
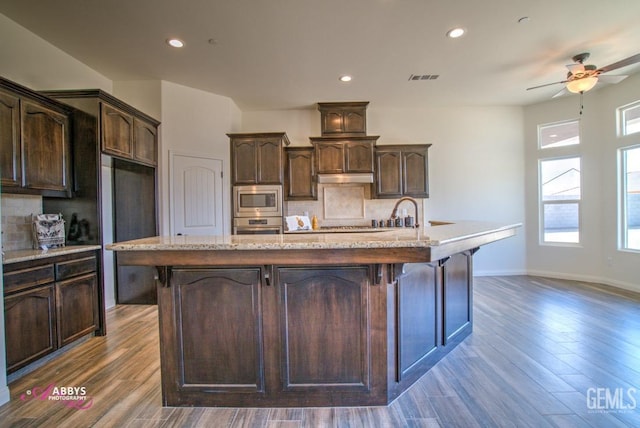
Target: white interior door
x,y
196,195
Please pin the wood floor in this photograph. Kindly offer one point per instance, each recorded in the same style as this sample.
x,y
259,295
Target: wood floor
x,y
541,352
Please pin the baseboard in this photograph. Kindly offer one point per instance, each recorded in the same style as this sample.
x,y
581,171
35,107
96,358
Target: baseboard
x,y
587,278
5,395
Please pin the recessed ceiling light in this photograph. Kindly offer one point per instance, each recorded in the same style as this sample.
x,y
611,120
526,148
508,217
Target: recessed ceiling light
x,y
176,43
345,78
454,33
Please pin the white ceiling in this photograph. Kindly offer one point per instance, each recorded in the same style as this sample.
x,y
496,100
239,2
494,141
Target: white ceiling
x,y
280,54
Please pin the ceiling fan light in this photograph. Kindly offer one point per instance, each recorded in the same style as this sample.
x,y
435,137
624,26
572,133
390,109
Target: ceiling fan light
x,y
582,85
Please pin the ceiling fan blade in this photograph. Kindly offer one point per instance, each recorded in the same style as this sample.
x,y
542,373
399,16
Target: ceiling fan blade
x,y
622,63
575,68
611,78
547,84
563,91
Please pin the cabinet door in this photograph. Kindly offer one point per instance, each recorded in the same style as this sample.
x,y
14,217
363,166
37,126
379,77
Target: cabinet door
x,y
45,146
77,307
418,314
10,161
324,328
358,156
145,142
299,182
244,160
415,173
269,165
217,328
117,132
354,122
330,158
29,326
388,173
332,122
457,296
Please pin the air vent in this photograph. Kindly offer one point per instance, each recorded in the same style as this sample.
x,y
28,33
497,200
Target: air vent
x,y
424,76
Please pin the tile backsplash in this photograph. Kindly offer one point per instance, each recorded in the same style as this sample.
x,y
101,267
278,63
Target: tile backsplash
x,y
349,204
16,220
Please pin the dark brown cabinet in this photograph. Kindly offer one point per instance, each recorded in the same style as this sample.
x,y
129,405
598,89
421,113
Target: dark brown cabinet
x,y
300,182
10,153
49,303
145,142
121,130
30,328
324,321
340,155
267,333
129,137
34,136
433,307
103,124
257,158
220,330
402,170
343,118
117,132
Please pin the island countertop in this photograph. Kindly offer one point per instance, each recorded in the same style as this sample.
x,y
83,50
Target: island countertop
x,y
395,245
423,237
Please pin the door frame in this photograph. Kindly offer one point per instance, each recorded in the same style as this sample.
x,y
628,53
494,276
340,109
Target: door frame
x,y
226,228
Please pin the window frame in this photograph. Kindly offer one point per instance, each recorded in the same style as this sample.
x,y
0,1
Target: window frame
x,y
622,198
620,116
542,203
552,124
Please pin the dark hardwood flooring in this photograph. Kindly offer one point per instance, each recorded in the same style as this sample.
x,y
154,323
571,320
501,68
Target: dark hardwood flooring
x,y
539,347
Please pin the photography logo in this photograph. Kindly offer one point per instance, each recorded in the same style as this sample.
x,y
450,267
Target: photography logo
x,y
73,397
611,400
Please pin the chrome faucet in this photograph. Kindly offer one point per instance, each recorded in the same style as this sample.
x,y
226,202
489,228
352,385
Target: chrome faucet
x,y
394,213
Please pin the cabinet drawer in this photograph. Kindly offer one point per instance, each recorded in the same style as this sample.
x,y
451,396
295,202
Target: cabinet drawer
x,y
75,267
27,278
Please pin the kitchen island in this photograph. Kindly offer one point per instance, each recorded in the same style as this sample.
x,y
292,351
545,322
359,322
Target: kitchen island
x,y
307,320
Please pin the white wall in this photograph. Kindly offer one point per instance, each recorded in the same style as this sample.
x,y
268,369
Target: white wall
x,y
476,163
597,258
195,122
35,63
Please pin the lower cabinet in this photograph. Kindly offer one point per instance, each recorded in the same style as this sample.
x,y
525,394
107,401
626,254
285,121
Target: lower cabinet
x,y
433,308
30,327
323,323
310,335
49,303
268,335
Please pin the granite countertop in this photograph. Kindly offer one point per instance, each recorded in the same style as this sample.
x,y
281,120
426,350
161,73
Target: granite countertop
x,y
25,255
447,232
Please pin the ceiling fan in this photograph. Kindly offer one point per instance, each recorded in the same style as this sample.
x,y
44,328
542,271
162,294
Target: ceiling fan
x,y
581,78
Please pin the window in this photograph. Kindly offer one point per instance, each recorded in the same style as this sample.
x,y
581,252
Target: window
x,y
560,200
559,134
630,200
629,118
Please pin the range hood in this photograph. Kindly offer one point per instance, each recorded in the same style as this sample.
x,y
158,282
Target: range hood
x,y
363,177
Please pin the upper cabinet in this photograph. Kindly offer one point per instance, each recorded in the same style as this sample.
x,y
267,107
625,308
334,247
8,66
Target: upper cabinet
x,y
257,158
337,155
299,182
117,132
401,170
122,131
343,118
34,138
